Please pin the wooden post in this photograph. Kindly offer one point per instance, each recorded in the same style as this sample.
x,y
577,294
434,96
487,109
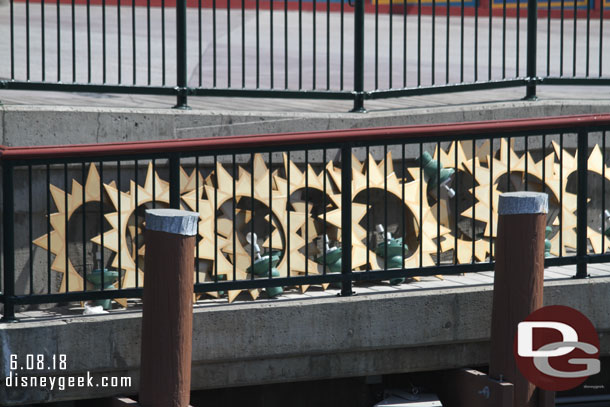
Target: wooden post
x,y
167,322
518,283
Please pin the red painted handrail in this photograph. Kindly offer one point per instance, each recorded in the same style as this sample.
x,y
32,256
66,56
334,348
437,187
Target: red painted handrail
x,y
279,140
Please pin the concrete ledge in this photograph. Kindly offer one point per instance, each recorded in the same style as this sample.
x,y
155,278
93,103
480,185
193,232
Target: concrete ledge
x,y
271,342
37,125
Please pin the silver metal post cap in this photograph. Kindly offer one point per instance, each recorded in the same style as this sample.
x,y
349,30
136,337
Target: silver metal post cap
x,y
172,221
518,203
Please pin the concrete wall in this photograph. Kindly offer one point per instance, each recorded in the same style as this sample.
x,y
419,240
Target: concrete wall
x,y
283,341
32,125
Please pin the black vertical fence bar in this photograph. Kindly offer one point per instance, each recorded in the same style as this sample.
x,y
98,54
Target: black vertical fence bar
x,y
461,38
287,206
270,43
300,44
12,23
474,194
163,42
8,237
216,219
67,229
358,57
133,41
119,53
285,47
89,41
504,39
270,214
368,213
447,30
346,217
252,215
197,196
491,202
243,43
327,45
548,38
438,203
532,41
341,46
391,34
476,44
148,42
258,53
30,227
455,204
588,40
421,207
526,175
433,47
419,42
561,195
544,163
324,203
376,44
43,45
58,15
561,38
200,44
307,212
48,202
181,55
385,207
229,40
174,181
574,38
403,233
581,211
508,167
517,37
27,35
313,38
489,42
119,234
603,208
137,222
104,46
404,47
601,36
234,216
102,262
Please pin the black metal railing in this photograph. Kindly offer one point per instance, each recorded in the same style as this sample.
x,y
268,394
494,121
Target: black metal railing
x,y
277,210
300,49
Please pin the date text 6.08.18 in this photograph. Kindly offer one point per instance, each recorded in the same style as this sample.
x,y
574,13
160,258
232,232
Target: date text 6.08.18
x,y
37,362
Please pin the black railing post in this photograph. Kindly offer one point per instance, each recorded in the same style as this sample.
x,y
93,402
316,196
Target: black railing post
x,y
181,76
8,229
581,211
174,181
359,57
346,220
532,33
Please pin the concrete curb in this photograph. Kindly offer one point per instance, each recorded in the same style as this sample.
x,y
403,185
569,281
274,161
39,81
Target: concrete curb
x,y
52,125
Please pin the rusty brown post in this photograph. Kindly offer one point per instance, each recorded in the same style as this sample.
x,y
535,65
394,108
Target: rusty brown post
x,y
167,321
518,283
